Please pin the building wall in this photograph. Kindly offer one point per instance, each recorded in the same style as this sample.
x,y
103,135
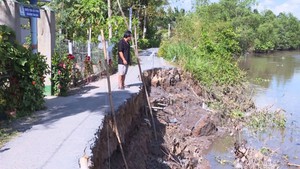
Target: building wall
x,y
10,16
46,37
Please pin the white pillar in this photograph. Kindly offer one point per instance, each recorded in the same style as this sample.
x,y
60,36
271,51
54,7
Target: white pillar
x,y
46,38
145,17
130,18
70,47
10,16
89,42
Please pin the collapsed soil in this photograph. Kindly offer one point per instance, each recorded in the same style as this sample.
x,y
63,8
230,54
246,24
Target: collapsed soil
x,y
185,126
185,129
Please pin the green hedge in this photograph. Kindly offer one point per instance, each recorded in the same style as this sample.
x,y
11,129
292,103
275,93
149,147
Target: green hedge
x,y
22,77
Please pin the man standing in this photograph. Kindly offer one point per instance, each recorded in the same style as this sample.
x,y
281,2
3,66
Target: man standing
x,y
124,58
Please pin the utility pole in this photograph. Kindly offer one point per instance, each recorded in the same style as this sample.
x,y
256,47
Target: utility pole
x,y
109,24
33,27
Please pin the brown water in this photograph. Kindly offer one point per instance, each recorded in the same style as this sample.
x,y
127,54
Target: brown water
x,y
276,81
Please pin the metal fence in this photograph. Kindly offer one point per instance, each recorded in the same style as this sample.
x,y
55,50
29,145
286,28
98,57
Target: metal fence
x,y
97,57
80,51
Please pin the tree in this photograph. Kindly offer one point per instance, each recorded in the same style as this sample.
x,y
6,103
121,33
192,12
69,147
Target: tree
x,y
64,21
89,14
155,9
75,17
288,28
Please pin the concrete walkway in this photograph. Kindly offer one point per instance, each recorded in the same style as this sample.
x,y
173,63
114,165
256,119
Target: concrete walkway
x,y
57,136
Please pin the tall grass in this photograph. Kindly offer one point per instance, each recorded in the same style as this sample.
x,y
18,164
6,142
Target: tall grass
x,y
206,49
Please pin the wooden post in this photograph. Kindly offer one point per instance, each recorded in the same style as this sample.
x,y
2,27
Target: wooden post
x,y
111,101
140,69
142,78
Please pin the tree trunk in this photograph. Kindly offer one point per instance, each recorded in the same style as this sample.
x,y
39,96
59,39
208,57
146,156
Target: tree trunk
x,y
109,16
124,17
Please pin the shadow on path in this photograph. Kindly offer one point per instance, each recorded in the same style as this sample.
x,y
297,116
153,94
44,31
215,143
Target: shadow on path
x,y
58,108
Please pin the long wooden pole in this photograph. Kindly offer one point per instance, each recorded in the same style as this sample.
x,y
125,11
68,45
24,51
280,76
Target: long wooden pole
x,y
111,100
142,78
140,69
141,74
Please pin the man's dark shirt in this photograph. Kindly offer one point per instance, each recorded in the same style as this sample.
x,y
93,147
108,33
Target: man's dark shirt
x,y
124,47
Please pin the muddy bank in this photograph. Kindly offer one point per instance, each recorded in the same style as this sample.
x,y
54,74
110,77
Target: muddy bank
x,y
129,117
186,127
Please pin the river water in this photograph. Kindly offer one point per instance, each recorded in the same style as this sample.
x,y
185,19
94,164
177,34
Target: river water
x,y
276,81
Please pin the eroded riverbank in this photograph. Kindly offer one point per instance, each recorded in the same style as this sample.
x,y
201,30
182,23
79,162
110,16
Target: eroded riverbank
x,y
185,121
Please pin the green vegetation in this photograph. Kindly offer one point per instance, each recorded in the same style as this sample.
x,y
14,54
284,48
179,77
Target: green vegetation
x,y
22,77
237,114
75,17
61,73
263,119
207,52
265,151
6,134
208,41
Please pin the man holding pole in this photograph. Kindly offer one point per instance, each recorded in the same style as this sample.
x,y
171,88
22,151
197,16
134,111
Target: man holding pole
x,y
124,58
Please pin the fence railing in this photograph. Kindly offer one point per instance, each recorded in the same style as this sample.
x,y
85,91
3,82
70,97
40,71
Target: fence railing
x,y
80,51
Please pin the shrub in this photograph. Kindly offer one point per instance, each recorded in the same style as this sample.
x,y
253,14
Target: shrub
x,y
143,43
61,73
208,54
22,77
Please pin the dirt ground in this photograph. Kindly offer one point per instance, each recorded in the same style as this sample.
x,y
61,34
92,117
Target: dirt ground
x,y
185,125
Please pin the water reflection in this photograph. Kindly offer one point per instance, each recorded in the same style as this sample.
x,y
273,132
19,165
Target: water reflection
x,y
276,78
222,150
279,85
278,68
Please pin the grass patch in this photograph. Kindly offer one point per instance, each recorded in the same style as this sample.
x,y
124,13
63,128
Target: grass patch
x,y
263,119
5,135
236,114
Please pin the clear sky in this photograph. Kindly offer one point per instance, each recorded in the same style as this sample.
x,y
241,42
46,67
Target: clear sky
x,y
277,6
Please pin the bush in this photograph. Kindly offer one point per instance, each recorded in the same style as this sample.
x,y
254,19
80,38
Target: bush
x,y
208,54
61,73
22,77
143,43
